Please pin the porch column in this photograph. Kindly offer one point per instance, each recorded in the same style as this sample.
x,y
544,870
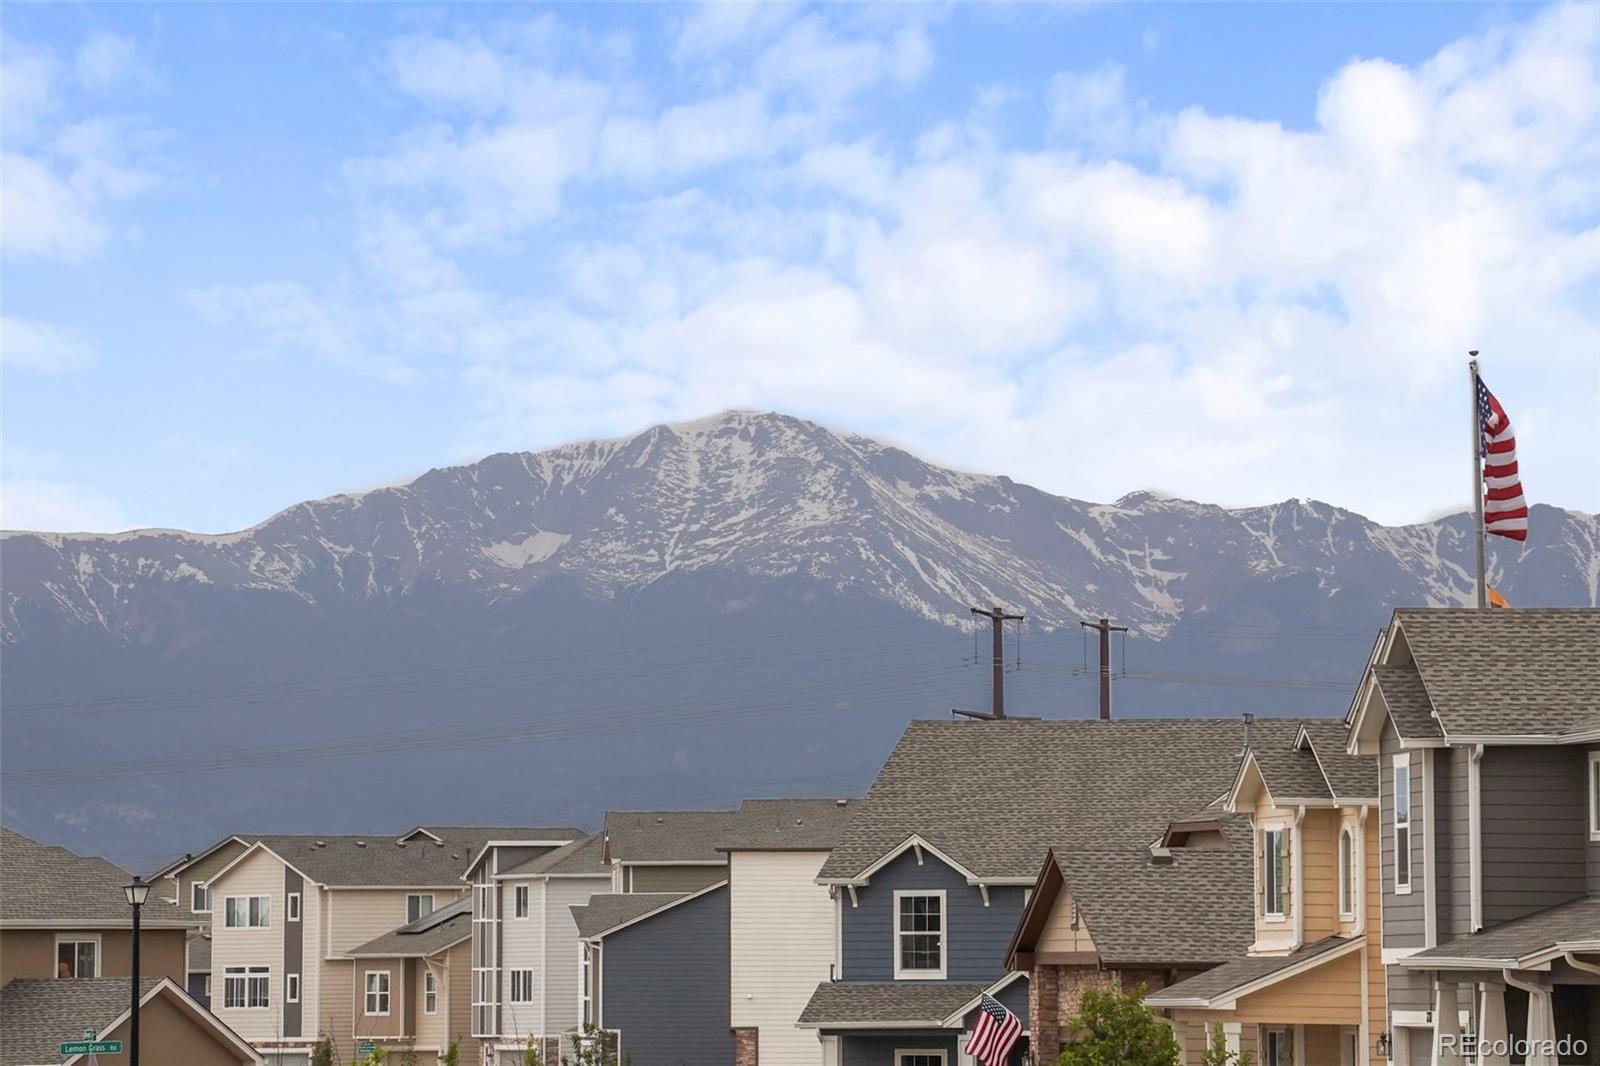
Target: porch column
x,y
1541,1027
1446,1023
1231,1034
1492,1029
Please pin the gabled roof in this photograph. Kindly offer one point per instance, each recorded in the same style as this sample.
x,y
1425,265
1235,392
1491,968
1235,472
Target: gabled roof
x,y
612,912
43,886
1537,662
1350,777
1532,940
667,836
1218,988
177,865
370,860
886,1004
787,825
581,858
1407,701
38,1014
428,935
1101,784
1308,768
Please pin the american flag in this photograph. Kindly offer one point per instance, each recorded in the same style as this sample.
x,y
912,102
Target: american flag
x,y
995,1032
1505,512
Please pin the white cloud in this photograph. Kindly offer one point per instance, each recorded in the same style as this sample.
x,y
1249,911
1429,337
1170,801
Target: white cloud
x,y
28,503
289,320
28,344
105,61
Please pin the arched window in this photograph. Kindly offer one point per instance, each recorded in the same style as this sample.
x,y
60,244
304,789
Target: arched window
x,y
1347,873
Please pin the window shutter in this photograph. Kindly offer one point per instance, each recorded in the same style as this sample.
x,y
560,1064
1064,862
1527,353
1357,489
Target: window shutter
x,y
1284,856
1261,871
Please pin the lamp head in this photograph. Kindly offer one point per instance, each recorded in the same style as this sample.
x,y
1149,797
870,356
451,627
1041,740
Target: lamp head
x,y
137,892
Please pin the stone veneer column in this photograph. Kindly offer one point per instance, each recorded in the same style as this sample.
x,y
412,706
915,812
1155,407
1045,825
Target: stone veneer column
x,y
1044,1013
746,1047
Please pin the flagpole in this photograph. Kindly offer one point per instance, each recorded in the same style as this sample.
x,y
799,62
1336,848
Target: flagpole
x,y
1477,482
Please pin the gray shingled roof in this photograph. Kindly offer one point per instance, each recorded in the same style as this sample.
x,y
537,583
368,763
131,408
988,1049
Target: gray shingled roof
x,y
45,885
586,856
605,912
1569,923
1107,785
37,1014
667,836
787,825
1291,773
1351,776
429,934
923,1003
1240,972
380,859
1538,663
1407,700
199,954
1143,912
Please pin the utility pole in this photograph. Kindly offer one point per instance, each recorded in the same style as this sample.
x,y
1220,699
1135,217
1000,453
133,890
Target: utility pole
x,y
1105,629
998,617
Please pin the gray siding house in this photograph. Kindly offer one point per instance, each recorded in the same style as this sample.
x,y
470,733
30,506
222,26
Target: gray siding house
x,y
1486,724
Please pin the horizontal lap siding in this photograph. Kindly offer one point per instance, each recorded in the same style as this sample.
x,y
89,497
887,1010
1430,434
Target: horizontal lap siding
x,y
258,875
561,949
1456,916
1534,830
976,935
1403,915
880,1050
1329,994
1319,870
782,948
521,945
1592,848
665,985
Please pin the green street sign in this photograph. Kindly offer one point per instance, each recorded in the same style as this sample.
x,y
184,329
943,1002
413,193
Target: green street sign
x,y
92,1047
366,1047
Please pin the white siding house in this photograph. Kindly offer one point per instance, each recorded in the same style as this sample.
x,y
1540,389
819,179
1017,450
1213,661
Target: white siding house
x,y
782,939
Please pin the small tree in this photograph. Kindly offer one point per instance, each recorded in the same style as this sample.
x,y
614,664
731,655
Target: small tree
x,y
531,1055
1217,1053
1115,1028
322,1051
452,1054
595,1047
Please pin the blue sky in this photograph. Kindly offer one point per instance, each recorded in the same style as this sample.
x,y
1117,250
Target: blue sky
x,y
256,254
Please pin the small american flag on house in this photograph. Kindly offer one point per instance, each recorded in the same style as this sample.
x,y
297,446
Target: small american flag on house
x,y
1505,510
994,1033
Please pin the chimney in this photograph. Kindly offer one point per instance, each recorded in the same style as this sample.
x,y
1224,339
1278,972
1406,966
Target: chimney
x,y
1249,720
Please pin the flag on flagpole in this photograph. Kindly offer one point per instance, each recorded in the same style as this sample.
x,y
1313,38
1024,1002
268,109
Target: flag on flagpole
x,y
994,1033
1505,510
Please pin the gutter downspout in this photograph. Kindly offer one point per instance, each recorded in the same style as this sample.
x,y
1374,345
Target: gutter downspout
x,y
1430,832
1364,1054
1475,833
1297,874
1578,964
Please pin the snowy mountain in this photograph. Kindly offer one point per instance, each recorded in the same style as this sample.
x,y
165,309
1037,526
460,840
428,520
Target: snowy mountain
x,y
748,604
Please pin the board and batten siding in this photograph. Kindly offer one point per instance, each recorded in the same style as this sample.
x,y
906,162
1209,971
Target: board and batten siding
x,y
664,985
976,936
781,923
1534,829
260,874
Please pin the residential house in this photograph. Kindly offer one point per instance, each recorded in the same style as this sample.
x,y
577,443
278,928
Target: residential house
x,y
1487,727
182,883
413,985
65,916
1310,987
39,1015
665,851
780,924
527,945
288,909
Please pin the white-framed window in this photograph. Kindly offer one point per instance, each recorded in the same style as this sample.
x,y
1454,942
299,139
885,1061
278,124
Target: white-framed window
x,y
208,986
521,986
1276,1047
520,904
430,993
919,1057
919,935
1402,824
291,907
245,987
247,912
1273,846
78,956
377,1003
200,897
1347,873
291,988
585,979
1594,794
418,905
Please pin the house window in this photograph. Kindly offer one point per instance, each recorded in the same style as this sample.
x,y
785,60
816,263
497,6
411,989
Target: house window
x,y
200,898
919,935
1275,872
291,907
585,976
522,986
1402,824
247,912
377,992
430,994
78,958
521,910
1276,1048
1594,795
920,1057
418,906
1347,873
291,988
245,987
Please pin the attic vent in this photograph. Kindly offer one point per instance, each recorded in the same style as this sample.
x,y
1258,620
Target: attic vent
x,y
399,843
1161,856
361,843
660,820
842,803
322,843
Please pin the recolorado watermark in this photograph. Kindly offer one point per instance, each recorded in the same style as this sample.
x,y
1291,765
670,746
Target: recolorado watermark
x,y
1564,1048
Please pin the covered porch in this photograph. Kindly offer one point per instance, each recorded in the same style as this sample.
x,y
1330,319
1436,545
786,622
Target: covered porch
x,y
906,1023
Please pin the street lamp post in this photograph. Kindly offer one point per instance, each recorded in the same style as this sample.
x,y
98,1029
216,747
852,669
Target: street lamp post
x,y
137,893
